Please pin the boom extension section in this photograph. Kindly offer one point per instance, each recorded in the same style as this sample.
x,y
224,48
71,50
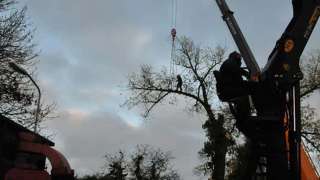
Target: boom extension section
x,y
239,39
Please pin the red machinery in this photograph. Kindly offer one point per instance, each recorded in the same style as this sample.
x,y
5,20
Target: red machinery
x,y
23,155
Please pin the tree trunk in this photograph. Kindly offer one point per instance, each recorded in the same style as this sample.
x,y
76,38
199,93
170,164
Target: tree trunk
x,y
220,151
217,135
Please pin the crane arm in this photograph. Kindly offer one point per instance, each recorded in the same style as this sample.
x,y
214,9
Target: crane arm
x,y
284,59
239,39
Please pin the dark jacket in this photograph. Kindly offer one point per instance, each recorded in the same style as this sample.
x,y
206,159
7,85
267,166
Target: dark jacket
x,y
231,72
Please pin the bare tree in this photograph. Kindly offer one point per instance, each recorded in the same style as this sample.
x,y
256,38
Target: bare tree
x,y
156,164
310,65
17,94
137,162
310,129
196,64
227,144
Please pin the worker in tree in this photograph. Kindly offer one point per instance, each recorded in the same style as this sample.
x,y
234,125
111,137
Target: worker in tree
x,y
179,83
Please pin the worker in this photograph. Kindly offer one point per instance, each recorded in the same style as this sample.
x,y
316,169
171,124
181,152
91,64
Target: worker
x,y
234,89
231,74
179,83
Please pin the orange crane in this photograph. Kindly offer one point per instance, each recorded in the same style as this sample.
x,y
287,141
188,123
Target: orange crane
x,y
276,126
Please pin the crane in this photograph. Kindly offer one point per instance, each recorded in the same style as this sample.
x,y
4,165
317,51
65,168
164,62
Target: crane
x,y
276,127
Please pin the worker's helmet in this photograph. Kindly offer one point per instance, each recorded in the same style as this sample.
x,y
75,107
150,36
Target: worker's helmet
x,y
235,55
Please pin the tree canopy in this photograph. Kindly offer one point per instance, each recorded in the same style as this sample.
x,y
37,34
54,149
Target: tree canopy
x,y
144,163
17,94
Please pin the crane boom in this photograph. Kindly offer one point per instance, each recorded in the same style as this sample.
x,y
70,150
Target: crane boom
x,y
239,39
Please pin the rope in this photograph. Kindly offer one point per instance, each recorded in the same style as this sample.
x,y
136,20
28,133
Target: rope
x,y
173,68
174,6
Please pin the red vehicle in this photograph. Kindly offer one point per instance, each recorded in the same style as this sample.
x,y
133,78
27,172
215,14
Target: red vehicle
x,y
23,155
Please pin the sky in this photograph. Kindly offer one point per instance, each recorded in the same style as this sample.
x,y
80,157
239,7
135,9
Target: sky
x,y
88,49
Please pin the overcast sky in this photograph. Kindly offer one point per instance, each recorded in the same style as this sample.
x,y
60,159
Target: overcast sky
x,y
88,47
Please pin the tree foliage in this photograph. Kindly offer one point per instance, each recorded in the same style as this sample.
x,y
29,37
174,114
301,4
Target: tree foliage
x,y
116,167
226,144
310,129
310,66
144,163
94,177
17,94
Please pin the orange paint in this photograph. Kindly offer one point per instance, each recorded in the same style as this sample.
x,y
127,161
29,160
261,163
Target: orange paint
x,y
308,170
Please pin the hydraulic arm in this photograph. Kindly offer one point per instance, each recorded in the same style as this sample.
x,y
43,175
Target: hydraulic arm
x,y
283,71
285,57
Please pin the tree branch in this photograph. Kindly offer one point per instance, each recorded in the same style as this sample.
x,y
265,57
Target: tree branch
x,y
170,91
311,142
